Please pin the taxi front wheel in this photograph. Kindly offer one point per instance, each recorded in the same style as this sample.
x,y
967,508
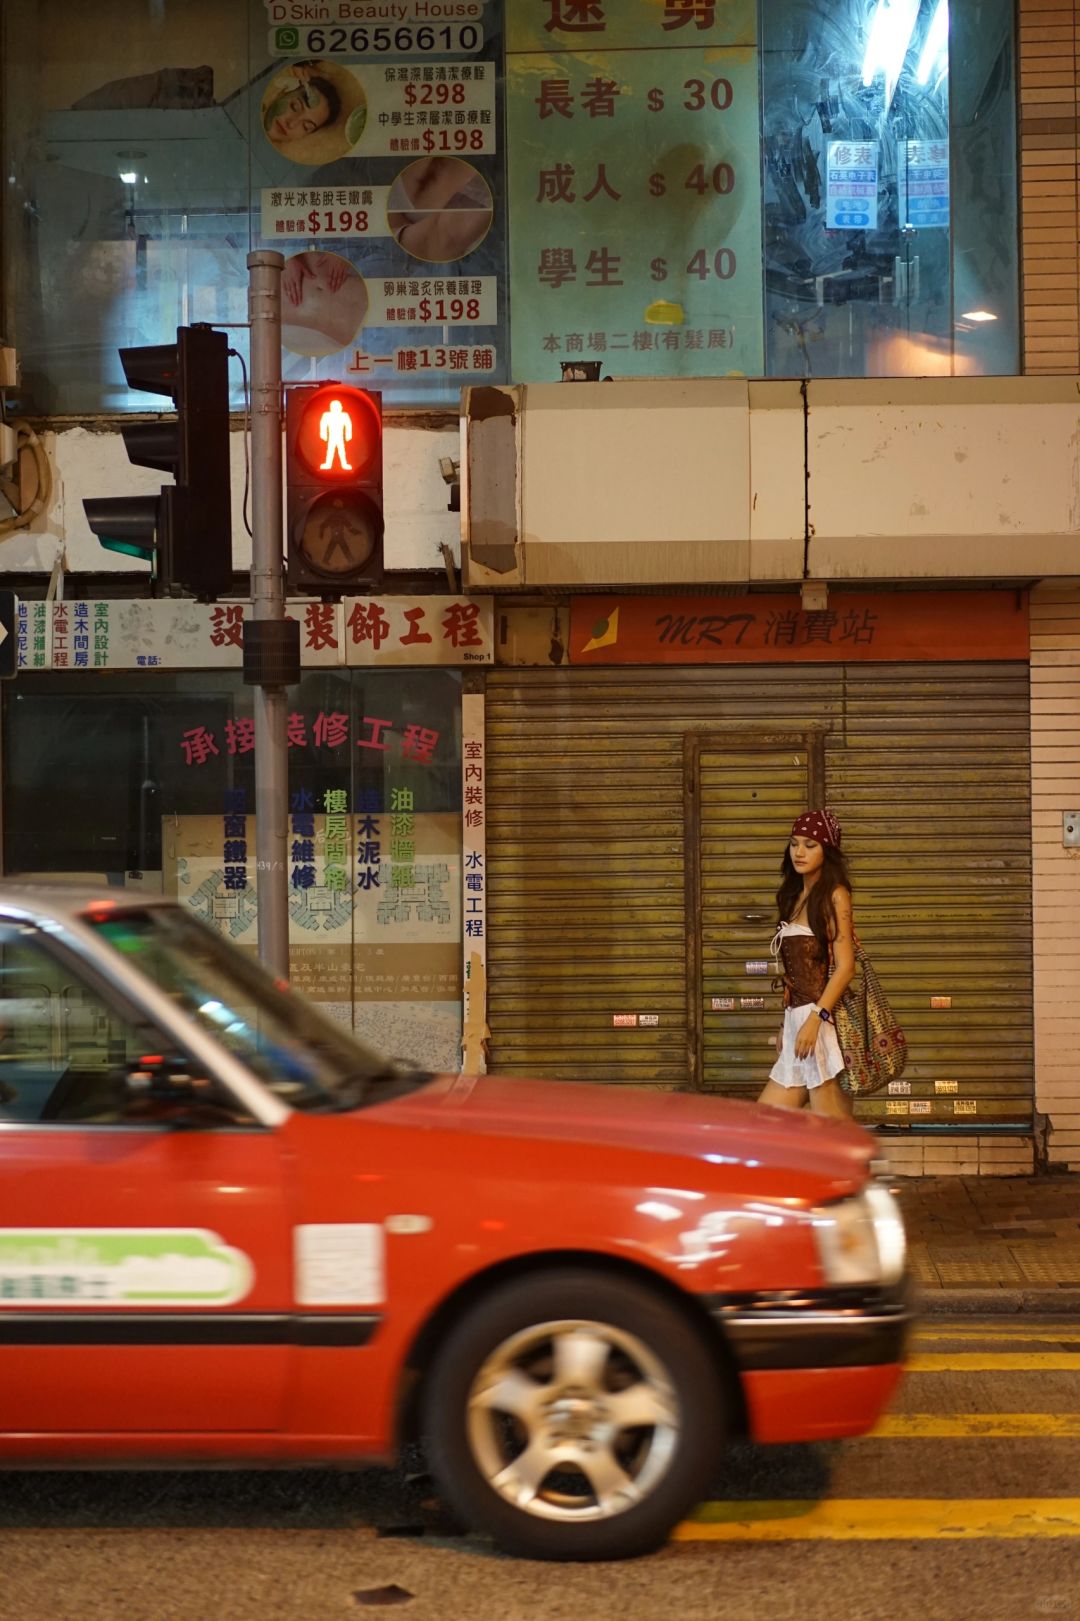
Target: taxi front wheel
x,y
574,1416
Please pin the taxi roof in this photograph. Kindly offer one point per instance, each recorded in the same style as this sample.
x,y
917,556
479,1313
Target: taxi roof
x,y
62,902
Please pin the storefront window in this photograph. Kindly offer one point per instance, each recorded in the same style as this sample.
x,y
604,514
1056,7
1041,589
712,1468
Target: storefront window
x,y
775,187
889,187
161,772
149,145
126,203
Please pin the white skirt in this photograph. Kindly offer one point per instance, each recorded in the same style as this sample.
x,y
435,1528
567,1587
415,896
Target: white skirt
x,y
824,1062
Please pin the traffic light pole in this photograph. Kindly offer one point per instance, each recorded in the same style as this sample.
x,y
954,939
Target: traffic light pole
x,y
268,605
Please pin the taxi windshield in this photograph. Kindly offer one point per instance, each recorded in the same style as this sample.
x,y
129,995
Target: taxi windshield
x,y
299,1054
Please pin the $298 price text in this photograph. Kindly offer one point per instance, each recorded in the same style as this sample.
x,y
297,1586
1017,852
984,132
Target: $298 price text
x,y
451,108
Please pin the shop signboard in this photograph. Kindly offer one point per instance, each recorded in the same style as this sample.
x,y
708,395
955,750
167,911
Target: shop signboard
x,y
634,187
474,884
777,629
380,178
9,634
177,634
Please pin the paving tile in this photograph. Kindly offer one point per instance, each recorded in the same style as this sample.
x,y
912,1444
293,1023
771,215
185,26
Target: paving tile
x,y
995,1228
1060,1265
978,1267
922,1267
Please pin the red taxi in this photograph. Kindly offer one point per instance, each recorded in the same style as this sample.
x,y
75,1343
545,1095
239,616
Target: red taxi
x,y
232,1233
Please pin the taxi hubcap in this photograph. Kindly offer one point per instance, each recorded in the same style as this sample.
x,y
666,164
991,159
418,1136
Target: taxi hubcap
x,y
573,1420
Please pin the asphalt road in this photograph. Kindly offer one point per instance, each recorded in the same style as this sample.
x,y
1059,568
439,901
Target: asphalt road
x,y
965,1504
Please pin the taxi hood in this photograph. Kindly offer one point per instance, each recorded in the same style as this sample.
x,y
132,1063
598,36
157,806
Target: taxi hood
x,y
719,1130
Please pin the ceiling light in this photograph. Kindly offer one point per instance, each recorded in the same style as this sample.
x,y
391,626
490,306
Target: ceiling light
x,y
129,177
978,315
891,28
936,44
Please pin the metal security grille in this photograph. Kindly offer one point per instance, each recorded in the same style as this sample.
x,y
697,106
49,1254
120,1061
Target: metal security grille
x,y
615,893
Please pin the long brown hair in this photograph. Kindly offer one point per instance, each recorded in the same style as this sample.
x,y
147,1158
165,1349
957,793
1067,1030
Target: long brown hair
x,y
820,911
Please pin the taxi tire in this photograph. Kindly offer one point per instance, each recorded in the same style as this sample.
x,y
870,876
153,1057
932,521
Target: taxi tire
x,y
637,1309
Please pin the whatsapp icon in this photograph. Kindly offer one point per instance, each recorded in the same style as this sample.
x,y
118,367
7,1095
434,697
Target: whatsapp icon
x,y
287,39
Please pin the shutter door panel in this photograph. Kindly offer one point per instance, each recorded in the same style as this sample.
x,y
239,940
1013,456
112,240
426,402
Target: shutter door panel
x,y
585,872
928,768
586,857
745,794
932,780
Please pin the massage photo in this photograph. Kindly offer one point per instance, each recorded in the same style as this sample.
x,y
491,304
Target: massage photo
x,y
323,303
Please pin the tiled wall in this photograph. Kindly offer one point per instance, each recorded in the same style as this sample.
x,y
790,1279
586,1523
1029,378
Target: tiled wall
x,y
959,1156
1049,46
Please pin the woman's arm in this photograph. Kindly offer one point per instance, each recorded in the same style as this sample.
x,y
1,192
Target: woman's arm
x,y
843,952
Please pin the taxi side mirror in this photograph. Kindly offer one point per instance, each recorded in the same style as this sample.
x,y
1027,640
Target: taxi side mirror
x,y
169,1088
156,1075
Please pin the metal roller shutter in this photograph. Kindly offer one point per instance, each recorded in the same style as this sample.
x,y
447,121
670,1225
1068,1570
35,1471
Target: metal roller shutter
x,y
585,875
636,819
933,783
742,795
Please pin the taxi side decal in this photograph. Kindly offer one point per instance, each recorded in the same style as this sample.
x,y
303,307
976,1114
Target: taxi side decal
x,y
121,1266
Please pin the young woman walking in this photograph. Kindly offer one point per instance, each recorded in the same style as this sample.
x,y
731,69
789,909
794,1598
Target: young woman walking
x,y
815,930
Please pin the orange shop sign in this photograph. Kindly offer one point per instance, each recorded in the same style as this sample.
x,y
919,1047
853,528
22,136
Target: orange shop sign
x,y
768,628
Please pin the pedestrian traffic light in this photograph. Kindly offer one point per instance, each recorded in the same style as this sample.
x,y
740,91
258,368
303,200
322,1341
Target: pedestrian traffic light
x,y
333,459
185,531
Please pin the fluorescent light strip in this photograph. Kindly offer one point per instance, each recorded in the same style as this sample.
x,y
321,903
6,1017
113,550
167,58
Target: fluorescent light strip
x,y
891,29
936,44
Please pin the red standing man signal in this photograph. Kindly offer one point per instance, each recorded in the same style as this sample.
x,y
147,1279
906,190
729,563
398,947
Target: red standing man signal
x,y
334,474
335,427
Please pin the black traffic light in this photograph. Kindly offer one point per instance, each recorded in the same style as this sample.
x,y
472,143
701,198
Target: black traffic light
x,y
185,532
333,476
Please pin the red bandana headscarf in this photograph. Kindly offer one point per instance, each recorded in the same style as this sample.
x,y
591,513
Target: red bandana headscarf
x,y
820,825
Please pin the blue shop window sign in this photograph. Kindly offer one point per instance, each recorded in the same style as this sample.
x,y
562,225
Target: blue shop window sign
x,y
851,186
927,189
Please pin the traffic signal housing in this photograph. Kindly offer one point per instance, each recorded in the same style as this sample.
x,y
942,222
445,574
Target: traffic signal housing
x,y
185,531
334,493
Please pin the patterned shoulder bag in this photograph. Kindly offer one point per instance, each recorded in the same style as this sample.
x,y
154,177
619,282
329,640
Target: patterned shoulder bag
x,y
874,1046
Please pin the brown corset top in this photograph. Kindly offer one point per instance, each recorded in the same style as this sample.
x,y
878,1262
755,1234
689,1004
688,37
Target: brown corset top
x,y
806,968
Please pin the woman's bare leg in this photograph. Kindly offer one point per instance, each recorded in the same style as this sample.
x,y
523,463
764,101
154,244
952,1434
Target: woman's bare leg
x,y
830,1098
783,1097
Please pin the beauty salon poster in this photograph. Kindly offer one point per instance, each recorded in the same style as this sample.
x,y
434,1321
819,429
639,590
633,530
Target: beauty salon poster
x,y
377,171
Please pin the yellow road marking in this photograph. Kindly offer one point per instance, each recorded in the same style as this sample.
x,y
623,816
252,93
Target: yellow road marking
x,y
1063,1336
994,1361
912,1426
879,1519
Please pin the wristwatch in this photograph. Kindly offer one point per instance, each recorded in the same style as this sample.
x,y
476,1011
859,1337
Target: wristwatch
x,y
824,1014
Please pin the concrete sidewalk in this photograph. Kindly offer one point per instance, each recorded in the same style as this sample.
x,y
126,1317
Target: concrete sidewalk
x,y
995,1243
